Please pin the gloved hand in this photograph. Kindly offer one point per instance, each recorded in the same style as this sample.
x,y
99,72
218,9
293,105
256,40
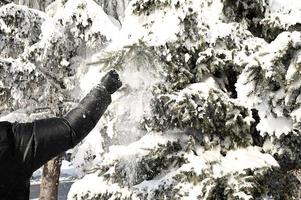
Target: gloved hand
x,y
111,81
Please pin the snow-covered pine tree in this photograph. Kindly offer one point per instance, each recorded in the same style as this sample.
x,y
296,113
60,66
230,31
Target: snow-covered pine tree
x,y
206,111
38,64
210,103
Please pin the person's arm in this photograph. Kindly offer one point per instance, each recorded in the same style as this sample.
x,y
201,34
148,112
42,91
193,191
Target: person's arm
x,y
38,142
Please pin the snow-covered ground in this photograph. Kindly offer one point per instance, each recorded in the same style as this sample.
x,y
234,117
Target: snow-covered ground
x,y
63,190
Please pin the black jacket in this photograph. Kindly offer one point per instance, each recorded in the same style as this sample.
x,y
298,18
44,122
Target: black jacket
x,y
25,147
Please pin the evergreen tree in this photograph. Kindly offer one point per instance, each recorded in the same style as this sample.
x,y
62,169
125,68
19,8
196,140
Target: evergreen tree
x,y
210,103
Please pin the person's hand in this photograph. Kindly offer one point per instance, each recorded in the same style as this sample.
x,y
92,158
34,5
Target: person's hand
x,y
111,81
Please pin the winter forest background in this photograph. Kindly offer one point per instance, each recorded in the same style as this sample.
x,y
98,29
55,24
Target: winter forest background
x,y
210,106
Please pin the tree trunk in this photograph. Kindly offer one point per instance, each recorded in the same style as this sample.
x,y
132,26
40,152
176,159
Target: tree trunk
x,y
50,179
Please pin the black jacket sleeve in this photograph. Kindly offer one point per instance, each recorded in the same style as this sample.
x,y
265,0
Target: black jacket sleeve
x,y
37,142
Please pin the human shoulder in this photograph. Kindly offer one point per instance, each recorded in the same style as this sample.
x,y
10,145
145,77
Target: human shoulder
x,y
5,127
5,123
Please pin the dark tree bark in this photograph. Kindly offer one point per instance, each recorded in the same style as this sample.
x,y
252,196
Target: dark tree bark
x,y
50,179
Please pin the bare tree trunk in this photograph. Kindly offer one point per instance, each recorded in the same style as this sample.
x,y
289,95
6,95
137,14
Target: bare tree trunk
x,y
50,179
